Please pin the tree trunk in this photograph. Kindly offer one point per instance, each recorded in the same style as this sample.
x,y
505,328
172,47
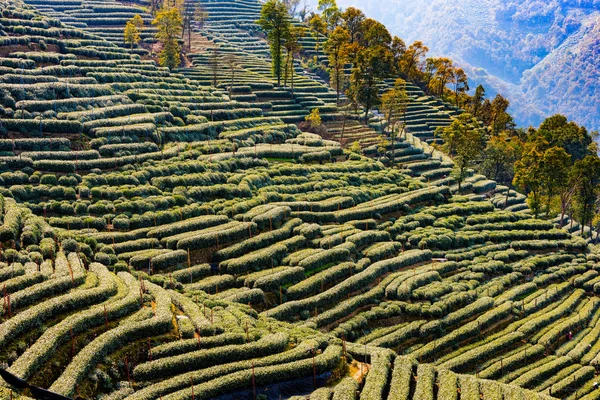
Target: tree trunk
x,y
337,85
562,213
393,147
343,129
507,197
292,73
571,219
285,72
278,61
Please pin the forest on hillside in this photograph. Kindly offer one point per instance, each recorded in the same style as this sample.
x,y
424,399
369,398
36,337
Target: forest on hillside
x,y
542,55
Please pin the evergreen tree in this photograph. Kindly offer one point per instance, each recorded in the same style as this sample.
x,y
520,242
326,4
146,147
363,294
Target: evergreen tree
x,y
586,174
353,19
393,104
372,64
169,25
330,13
463,143
318,28
292,48
275,21
336,49
131,34
477,101
499,158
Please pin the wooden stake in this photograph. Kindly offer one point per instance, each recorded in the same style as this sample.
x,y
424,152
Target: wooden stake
x,y
105,317
127,368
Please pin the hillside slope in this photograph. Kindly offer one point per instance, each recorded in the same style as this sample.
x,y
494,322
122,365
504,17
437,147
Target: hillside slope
x,y
165,237
542,55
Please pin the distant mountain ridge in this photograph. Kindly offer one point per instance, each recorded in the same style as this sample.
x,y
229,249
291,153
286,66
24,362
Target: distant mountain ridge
x,y
543,55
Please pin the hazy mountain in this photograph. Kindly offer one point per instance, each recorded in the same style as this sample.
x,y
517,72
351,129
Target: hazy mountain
x,y
543,54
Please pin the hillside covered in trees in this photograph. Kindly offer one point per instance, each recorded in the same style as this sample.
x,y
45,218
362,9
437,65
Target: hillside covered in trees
x,y
214,200
542,55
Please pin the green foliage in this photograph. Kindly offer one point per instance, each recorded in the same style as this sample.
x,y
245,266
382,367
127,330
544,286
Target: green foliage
x,y
169,25
133,30
464,143
314,118
274,20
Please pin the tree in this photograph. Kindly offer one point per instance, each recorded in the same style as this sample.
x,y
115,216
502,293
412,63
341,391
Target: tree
x,y
353,19
303,11
413,57
374,33
336,49
499,158
444,70
586,173
169,26
556,165
477,101
460,83
372,64
314,118
154,6
138,21
231,61
292,48
398,48
291,6
393,104
318,28
496,115
528,173
558,131
429,73
330,13
355,148
463,143
192,14
132,30
275,21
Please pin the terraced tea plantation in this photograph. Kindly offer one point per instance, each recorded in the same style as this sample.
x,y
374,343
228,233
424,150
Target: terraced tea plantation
x,y
166,238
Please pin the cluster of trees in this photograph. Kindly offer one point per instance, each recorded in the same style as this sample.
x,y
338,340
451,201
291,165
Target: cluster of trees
x,y
276,21
360,53
559,169
556,165
175,20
